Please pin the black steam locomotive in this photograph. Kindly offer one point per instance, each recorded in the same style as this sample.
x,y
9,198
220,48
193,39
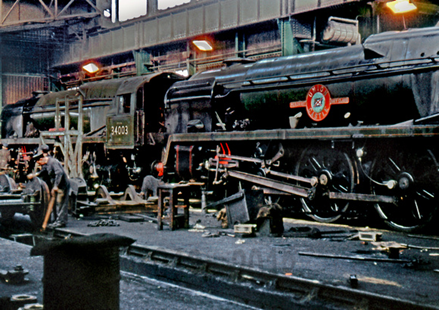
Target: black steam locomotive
x,y
321,131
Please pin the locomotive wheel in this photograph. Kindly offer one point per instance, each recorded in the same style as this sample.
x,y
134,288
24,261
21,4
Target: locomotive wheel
x,y
415,188
339,172
39,213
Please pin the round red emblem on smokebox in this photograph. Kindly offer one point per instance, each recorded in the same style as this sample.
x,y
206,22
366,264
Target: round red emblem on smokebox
x,y
318,102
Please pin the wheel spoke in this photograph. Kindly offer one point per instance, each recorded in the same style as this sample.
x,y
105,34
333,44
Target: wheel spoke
x,y
395,169
343,189
427,193
418,213
334,207
315,164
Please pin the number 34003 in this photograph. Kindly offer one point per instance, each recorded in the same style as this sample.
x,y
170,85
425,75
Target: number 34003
x,y
119,130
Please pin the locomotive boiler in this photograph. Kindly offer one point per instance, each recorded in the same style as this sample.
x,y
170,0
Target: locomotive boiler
x,y
328,132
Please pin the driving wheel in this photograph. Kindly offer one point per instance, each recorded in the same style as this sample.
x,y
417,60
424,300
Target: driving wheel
x,y
411,176
335,172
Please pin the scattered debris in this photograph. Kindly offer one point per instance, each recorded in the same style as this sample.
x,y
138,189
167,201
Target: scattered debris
x,y
15,276
416,263
199,226
270,216
245,230
384,245
222,216
302,232
281,244
353,281
210,235
311,232
240,241
196,230
391,247
421,247
362,258
369,236
131,218
103,223
225,233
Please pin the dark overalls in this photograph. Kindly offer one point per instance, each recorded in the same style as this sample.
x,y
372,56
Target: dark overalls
x,y
54,173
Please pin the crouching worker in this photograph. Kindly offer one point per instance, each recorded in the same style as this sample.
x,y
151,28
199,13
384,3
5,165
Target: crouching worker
x,y
52,172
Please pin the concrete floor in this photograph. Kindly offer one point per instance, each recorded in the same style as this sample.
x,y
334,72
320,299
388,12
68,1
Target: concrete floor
x,y
417,283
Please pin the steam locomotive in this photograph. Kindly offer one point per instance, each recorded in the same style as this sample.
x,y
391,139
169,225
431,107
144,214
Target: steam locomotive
x,y
321,132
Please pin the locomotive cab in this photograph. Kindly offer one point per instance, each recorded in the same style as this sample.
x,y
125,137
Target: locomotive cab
x,y
136,117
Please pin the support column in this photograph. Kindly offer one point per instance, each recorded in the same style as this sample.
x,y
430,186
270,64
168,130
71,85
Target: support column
x,y
240,45
1,83
143,62
286,37
190,60
289,44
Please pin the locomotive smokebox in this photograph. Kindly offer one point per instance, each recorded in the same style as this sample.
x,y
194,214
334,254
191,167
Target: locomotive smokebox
x,y
82,273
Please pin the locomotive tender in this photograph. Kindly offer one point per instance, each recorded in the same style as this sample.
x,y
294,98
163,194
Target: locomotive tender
x,y
323,131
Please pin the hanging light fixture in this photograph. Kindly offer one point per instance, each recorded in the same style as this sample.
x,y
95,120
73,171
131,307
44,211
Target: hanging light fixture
x,y
91,68
203,45
401,6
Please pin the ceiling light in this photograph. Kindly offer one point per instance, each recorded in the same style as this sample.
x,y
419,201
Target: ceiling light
x,y
91,67
203,45
401,6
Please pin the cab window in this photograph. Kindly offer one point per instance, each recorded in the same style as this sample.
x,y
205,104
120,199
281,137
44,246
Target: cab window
x,y
124,104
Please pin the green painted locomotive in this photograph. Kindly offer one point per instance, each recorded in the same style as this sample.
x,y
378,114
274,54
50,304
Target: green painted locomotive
x,y
324,132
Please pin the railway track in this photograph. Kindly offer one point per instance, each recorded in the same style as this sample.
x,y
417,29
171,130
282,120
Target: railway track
x,y
248,285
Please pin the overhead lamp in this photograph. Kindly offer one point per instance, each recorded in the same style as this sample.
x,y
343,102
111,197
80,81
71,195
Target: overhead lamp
x,y
401,6
91,68
203,45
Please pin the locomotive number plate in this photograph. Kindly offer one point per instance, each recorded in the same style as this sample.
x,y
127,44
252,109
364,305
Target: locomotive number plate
x,y
120,130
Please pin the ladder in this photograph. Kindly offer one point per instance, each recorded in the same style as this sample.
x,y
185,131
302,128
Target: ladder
x,y
70,142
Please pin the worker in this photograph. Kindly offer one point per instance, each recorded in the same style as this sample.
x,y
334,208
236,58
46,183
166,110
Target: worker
x,y
45,149
5,156
150,185
52,169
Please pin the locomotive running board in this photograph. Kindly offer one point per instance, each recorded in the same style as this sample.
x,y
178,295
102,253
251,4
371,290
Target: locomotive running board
x,y
281,186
